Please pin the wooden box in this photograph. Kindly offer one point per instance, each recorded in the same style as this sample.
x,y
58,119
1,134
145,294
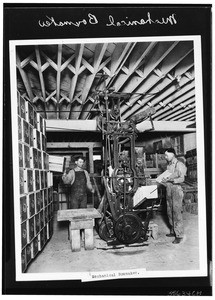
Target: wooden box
x,y
56,163
46,215
31,136
50,179
36,174
41,240
23,208
39,157
27,163
45,197
18,103
29,112
21,181
42,220
21,161
23,260
34,158
50,195
38,200
37,223
22,107
26,132
34,247
24,235
28,253
43,142
35,119
31,229
42,179
20,131
39,144
28,181
31,204
39,122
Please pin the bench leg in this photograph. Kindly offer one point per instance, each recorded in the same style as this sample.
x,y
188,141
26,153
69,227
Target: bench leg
x,y
75,240
89,239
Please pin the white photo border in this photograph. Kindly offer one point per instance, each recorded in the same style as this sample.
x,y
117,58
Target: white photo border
x,y
202,271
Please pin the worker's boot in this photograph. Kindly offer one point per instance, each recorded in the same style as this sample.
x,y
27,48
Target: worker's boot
x,y
177,240
171,234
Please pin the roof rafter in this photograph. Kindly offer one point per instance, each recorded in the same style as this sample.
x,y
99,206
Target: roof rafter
x,y
24,78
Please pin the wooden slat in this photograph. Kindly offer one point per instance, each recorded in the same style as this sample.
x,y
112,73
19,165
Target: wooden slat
x,y
59,58
175,102
160,51
73,145
138,54
176,55
42,83
98,55
77,214
189,104
183,113
24,78
27,60
118,59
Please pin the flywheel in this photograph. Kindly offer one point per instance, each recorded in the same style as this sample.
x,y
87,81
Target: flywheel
x,y
128,228
106,232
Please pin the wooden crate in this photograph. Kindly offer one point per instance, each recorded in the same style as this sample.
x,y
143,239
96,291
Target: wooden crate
x,y
56,163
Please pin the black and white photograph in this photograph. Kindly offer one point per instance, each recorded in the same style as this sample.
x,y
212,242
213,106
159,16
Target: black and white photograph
x,y
108,151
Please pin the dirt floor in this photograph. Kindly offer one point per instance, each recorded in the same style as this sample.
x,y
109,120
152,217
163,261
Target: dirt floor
x,y
153,255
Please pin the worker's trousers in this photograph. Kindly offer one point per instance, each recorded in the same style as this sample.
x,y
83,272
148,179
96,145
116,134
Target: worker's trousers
x,y
174,197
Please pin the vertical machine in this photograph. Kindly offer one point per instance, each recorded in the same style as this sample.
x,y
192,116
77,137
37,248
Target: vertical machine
x,y
122,221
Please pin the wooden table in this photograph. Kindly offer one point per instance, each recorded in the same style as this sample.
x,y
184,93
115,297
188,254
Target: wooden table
x,y
82,218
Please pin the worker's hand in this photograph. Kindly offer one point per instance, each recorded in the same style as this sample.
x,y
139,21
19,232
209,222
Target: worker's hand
x,y
93,191
167,180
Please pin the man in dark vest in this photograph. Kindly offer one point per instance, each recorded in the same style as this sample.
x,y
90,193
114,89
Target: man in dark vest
x,y
174,194
80,182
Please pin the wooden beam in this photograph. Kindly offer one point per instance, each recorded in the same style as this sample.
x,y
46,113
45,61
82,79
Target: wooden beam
x,y
24,78
27,60
184,113
41,76
166,126
175,102
175,57
138,54
98,56
160,51
164,97
78,57
189,117
73,145
71,125
59,59
118,59
174,112
90,125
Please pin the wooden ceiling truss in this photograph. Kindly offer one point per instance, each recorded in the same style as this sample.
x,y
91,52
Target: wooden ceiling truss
x,y
64,81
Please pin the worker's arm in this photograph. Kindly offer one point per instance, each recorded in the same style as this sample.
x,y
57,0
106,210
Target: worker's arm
x,y
178,175
181,172
68,178
89,184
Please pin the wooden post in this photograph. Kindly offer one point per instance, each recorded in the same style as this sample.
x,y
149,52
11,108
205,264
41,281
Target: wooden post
x,y
91,159
89,239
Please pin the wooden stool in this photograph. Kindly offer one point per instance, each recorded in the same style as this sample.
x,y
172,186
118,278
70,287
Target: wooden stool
x,y
83,218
